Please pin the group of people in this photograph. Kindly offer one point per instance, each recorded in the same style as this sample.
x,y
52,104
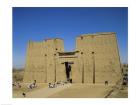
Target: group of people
x,y
58,83
32,85
16,84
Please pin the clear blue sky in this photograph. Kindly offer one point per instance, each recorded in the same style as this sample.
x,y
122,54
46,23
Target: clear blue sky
x,y
38,24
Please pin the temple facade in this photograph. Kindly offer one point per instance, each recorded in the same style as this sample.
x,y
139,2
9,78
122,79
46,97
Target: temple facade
x,y
95,60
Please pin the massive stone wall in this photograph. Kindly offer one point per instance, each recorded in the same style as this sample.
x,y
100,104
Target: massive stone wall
x,y
95,60
35,67
100,55
51,55
41,60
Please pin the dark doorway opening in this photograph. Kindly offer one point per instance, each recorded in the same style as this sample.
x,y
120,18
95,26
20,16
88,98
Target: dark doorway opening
x,y
68,70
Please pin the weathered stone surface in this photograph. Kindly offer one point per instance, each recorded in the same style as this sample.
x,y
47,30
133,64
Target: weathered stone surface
x,y
95,60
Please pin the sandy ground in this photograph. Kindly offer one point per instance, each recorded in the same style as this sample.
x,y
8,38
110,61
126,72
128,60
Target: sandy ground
x,y
119,93
66,91
42,91
17,92
84,91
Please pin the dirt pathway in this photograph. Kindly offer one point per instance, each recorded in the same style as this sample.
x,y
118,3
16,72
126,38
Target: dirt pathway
x,y
43,92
